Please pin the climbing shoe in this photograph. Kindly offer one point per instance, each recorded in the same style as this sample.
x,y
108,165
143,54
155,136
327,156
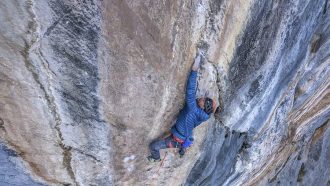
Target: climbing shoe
x,y
151,159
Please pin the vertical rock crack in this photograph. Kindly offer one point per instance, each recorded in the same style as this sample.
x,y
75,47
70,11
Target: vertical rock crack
x,y
31,46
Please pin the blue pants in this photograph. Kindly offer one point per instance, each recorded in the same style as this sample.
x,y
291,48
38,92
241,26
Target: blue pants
x,y
168,142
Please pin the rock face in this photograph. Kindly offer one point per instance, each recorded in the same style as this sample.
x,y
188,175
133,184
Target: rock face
x,y
11,169
87,85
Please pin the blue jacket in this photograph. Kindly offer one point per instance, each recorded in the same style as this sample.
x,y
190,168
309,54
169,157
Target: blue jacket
x,y
191,115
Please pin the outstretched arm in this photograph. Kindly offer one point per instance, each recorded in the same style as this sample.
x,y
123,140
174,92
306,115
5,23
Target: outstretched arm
x,y
191,90
192,84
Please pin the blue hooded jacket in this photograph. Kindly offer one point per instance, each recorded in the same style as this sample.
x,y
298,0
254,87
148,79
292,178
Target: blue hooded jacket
x,y
191,115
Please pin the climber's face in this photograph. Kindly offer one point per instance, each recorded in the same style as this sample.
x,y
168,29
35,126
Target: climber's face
x,y
200,102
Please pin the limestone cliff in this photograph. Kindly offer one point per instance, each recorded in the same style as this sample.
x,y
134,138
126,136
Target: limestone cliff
x,y
86,85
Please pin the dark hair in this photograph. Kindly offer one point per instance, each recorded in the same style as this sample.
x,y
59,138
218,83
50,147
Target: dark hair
x,y
208,105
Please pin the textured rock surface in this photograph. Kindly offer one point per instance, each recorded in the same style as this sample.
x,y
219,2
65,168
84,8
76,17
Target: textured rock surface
x,y
85,86
12,169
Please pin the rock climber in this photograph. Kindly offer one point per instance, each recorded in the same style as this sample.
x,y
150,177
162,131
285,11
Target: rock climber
x,y
193,114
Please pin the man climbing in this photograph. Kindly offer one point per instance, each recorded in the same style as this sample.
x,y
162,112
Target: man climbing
x,y
193,114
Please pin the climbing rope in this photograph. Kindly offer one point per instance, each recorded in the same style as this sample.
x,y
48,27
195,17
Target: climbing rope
x,y
161,163
160,166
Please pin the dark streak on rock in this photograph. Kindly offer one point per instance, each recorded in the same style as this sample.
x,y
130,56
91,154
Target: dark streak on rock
x,y
78,59
256,40
2,124
214,168
302,173
325,7
73,38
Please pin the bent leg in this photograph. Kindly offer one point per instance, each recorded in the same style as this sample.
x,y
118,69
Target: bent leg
x,y
168,142
155,147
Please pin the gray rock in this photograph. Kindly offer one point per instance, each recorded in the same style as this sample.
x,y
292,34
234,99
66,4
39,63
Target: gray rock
x,y
12,171
85,86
